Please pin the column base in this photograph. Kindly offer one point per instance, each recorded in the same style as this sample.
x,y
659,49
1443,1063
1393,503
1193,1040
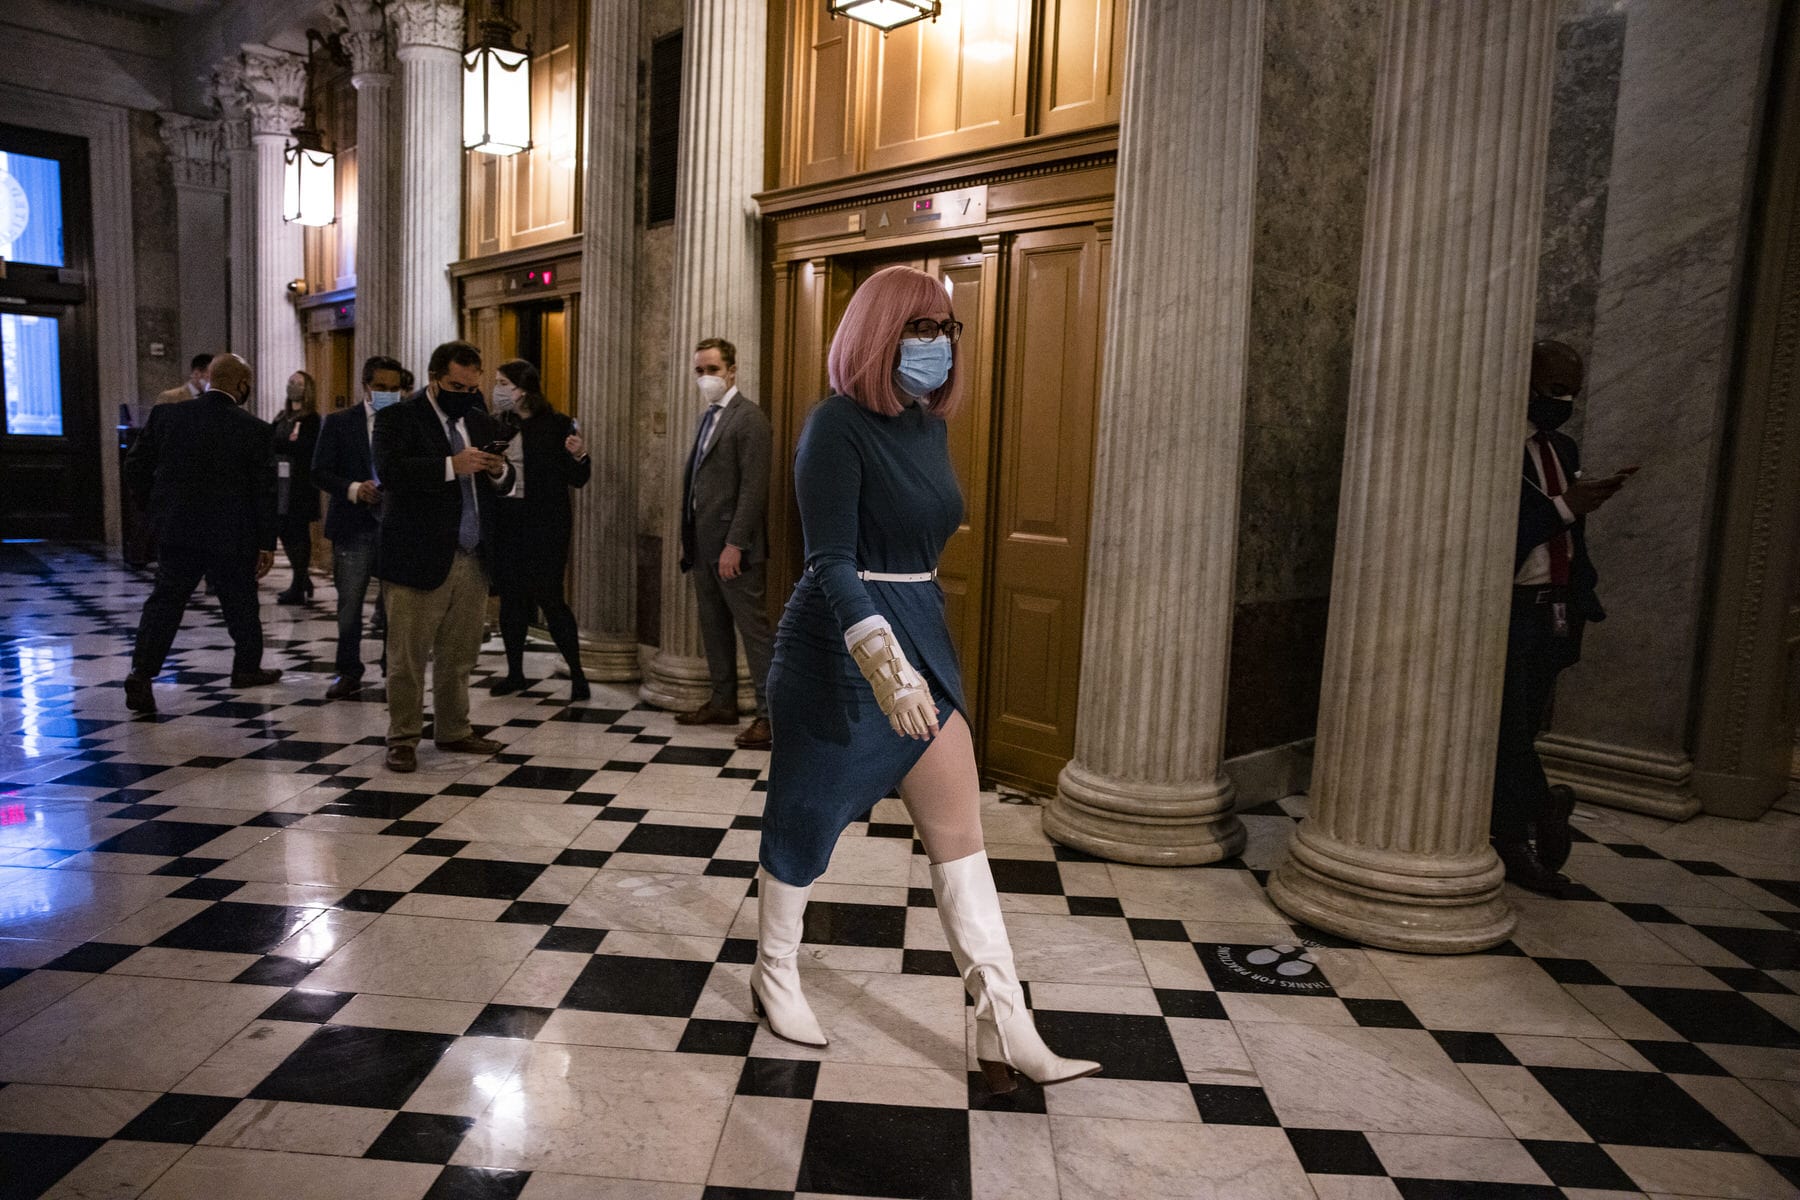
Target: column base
x,y
681,684
1418,903
1658,785
1156,825
610,658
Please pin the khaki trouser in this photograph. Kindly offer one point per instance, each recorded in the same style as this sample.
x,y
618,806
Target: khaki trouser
x,y
442,625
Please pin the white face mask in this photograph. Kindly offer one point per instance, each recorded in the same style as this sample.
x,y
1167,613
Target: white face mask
x,y
712,387
505,396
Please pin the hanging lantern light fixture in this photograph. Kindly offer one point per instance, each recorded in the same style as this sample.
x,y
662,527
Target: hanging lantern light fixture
x,y
497,88
885,15
309,178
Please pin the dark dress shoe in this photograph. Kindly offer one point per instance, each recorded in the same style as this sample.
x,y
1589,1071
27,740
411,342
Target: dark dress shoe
x,y
508,685
579,690
290,596
257,678
472,745
402,759
1553,838
342,688
706,714
138,696
1524,869
756,737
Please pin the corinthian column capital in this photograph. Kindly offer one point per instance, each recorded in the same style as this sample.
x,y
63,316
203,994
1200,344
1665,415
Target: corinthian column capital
x,y
275,85
226,91
427,23
195,146
364,31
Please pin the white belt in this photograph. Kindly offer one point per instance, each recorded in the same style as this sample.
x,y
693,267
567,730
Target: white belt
x,y
884,577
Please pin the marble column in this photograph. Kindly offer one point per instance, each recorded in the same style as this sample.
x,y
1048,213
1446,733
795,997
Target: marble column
x,y
715,285
240,168
605,542
365,39
197,158
1145,784
1395,851
429,35
276,84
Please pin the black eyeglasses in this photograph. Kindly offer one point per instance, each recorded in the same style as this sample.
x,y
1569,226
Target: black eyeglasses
x,y
925,329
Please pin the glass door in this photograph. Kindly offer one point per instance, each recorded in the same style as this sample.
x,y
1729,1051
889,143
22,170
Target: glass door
x,y
51,418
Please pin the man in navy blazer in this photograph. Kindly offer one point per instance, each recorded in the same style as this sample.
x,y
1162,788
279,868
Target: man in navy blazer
x,y
441,476
343,467
204,470
1554,597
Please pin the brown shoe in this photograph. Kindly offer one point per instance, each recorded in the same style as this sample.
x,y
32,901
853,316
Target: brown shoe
x,y
402,759
472,745
756,737
342,688
706,714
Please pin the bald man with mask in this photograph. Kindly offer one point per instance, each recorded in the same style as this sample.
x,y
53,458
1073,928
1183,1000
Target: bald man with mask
x,y
204,471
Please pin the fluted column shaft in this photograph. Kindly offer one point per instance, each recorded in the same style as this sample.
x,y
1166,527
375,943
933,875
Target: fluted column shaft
x,y
377,314
605,542
196,156
720,168
1395,852
430,39
276,83
240,169
1145,784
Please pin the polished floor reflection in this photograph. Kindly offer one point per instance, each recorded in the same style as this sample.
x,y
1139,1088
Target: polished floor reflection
x,y
239,960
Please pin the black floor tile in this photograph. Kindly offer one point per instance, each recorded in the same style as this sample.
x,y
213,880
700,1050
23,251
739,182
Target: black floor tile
x,y
1229,1104
233,928
1094,906
582,858
1335,1152
384,806
307,1004
1579,1165
290,750
1026,877
928,962
655,987
276,971
1383,1014
675,841
33,1162
486,878
420,1137
551,779
1465,1189
1278,969
108,775
368,900
1474,1048
1635,1108
509,1021
178,1118
788,1078
1151,929
478,1183
1678,1058
1126,1045
365,1068
1572,970
717,1037
693,756
1709,1016
436,847
1764,949
886,1150
832,923
167,838
206,889
95,957
1181,1002
571,940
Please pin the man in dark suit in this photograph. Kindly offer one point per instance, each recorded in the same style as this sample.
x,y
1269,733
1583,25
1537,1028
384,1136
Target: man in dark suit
x,y
204,471
343,467
1554,597
724,506
439,482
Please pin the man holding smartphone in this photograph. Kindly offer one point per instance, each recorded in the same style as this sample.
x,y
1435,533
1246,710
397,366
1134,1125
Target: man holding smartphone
x,y
1554,596
440,481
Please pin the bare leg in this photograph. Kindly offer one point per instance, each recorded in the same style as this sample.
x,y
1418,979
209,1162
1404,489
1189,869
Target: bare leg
x,y
942,794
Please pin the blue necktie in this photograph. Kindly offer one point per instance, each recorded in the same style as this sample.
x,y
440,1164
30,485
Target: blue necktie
x,y
468,530
706,424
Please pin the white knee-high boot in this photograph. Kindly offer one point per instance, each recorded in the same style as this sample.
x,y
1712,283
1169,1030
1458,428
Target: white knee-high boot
x,y
1005,1035
775,979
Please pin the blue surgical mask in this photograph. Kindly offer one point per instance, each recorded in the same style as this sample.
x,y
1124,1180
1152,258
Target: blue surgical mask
x,y
380,400
924,365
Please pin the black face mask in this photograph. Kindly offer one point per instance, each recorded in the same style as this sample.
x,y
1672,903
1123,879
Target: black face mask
x,y
457,404
1548,414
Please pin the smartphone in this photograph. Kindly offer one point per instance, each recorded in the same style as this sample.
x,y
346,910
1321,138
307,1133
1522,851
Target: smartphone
x,y
495,447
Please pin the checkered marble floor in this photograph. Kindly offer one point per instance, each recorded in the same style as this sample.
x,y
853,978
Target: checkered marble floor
x,y
239,960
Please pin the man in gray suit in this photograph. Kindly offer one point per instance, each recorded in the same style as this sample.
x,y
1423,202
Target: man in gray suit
x,y
724,503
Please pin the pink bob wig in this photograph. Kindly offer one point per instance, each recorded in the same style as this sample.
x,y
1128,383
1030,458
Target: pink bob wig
x,y
866,348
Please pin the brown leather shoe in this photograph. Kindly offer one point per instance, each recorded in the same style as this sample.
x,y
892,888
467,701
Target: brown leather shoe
x,y
342,688
472,745
402,759
706,714
756,737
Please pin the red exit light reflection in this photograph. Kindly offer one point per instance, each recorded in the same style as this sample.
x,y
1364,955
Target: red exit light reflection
x,y
12,814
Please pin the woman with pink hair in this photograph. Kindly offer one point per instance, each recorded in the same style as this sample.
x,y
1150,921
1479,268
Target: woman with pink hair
x,y
864,690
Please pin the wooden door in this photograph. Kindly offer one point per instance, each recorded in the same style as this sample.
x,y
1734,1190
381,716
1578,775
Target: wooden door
x,y
1049,388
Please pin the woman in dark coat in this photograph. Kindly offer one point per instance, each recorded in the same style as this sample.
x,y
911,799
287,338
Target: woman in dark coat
x,y
865,694
297,500
534,523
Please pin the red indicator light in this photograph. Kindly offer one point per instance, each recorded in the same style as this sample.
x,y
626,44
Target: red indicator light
x,y
548,277
922,205
12,814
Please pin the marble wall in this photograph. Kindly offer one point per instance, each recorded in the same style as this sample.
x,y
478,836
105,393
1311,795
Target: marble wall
x,y
158,296
1690,90
1318,83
